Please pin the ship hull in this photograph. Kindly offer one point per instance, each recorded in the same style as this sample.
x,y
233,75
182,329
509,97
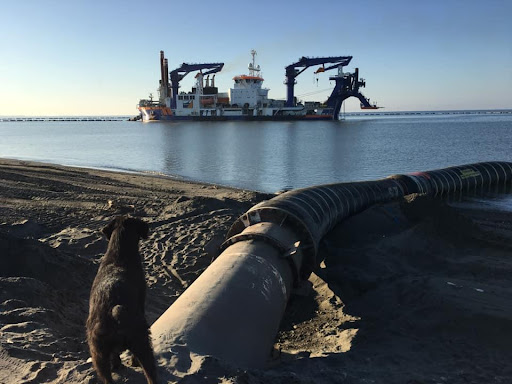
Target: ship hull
x,y
165,114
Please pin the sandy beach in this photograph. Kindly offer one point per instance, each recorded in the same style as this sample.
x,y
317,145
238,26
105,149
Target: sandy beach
x,y
410,292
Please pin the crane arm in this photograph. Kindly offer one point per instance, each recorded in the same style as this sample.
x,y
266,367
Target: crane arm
x,y
310,61
304,62
179,73
185,68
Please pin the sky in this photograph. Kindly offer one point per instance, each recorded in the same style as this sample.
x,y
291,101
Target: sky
x,y
75,57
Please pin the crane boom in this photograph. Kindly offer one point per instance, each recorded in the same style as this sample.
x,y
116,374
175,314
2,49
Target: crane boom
x,y
292,70
179,73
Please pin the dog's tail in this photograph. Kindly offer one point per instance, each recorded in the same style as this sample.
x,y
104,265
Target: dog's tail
x,y
120,314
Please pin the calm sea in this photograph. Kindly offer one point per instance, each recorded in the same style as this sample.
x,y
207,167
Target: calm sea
x,y
267,156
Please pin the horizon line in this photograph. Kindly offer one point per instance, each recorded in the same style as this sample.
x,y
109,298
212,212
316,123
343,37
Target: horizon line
x,y
508,110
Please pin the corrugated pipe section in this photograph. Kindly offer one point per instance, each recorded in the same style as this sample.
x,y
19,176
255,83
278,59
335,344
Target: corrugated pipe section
x,y
233,310
314,211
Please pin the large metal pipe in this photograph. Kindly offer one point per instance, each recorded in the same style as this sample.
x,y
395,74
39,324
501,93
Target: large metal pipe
x,y
233,310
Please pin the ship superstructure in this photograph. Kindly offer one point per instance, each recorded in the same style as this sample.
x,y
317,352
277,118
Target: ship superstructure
x,y
247,99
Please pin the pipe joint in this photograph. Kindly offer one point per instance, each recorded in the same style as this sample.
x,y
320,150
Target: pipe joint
x,y
284,240
264,212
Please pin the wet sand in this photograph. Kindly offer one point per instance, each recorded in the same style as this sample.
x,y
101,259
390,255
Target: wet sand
x,y
408,292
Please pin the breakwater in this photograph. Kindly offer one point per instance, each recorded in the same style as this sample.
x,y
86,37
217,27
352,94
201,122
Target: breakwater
x,y
58,118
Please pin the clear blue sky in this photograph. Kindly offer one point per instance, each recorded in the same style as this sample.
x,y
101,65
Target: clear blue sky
x,y
101,56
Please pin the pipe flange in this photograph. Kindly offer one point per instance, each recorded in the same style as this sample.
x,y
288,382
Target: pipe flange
x,y
281,238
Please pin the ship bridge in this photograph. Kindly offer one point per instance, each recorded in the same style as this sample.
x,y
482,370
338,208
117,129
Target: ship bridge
x,y
247,89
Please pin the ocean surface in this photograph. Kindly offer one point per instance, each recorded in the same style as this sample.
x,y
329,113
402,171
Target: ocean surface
x,y
268,156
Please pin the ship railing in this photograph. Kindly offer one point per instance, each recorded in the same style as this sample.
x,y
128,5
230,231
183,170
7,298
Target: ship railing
x,y
148,103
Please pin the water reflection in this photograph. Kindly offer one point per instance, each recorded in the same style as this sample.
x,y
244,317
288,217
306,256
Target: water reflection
x,y
267,156
282,155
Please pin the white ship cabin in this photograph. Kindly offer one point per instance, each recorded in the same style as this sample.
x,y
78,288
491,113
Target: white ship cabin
x,y
247,91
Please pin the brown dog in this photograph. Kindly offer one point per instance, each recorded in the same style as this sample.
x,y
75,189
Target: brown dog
x,y
116,319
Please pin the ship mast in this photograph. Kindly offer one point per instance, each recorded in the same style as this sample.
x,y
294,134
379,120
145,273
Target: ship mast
x,y
253,68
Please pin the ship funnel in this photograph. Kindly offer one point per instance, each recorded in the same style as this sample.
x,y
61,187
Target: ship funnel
x,y
162,68
166,77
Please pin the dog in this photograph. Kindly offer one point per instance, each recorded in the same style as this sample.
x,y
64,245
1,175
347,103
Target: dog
x,y
116,320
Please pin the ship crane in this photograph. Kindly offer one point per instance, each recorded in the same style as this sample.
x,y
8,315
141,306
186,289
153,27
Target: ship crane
x,y
292,70
347,84
179,73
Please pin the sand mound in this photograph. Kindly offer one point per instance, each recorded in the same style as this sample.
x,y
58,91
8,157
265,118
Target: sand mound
x,y
43,301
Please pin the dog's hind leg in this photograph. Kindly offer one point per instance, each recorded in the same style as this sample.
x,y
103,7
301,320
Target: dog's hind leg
x,y
115,360
141,348
101,362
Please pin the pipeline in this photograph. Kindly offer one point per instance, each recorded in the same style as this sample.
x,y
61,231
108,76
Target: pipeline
x,y
233,310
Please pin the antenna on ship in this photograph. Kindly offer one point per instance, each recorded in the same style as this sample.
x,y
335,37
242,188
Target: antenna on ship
x,y
252,66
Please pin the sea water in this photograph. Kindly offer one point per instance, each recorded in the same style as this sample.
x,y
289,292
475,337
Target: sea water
x,y
268,156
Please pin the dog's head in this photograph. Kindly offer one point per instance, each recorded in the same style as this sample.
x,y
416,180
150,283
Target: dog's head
x,y
130,224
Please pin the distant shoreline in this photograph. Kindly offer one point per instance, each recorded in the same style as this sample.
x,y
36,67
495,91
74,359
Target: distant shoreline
x,y
63,118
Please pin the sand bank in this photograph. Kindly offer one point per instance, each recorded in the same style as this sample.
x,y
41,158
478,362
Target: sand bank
x,y
407,293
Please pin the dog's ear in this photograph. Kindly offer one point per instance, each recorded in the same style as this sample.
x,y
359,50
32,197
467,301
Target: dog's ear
x,y
142,229
107,231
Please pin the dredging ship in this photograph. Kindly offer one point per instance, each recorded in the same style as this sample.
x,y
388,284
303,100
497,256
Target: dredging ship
x,y
247,99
